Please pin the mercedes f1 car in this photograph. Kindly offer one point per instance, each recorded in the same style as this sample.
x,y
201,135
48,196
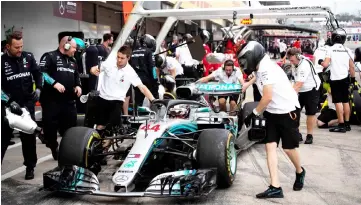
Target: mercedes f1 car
x,y
181,148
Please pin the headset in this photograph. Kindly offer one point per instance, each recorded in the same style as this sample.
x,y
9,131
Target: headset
x,y
67,45
230,61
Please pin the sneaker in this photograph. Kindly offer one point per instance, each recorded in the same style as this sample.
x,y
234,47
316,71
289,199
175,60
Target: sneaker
x,y
300,179
29,173
309,139
338,129
348,127
300,136
271,192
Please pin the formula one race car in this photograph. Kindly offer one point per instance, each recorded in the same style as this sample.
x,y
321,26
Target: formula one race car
x,y
182,148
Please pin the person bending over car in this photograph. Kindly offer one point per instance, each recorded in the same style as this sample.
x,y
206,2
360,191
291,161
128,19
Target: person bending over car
x,y
280,102
114,82
228,74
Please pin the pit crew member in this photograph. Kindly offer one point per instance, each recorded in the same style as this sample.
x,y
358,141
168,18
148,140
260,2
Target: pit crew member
x,y
58,98
227,74
142,60
307,85
279,103
18,69
114,82
328,116
320,53
339,61
169,66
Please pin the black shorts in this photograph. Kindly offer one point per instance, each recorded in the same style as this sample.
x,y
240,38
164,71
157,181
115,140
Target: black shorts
x,y
309,100
282,126
129,92
327,115
283,53
231,97
108,111
339,90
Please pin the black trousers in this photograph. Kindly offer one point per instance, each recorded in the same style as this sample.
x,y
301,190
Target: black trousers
x,y
91,111
28,141
151,85
256,94
57,116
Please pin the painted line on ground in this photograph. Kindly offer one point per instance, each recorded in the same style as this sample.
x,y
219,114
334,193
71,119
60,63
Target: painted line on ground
x,y
23,168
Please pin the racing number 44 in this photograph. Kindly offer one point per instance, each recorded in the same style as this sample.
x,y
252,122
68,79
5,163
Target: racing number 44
x,y
154,128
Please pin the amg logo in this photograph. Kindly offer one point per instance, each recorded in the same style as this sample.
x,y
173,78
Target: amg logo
x,y
65,69
19,75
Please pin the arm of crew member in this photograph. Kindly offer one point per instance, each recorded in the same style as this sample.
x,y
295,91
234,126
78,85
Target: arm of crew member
x,y
352,68
4,96
136,82
326,62
146,92
45,66
303,72
266,98
206,79
245,85
36,73
173,72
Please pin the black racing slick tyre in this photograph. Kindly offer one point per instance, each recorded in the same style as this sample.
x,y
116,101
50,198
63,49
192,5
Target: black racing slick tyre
x,y
216,149
75,147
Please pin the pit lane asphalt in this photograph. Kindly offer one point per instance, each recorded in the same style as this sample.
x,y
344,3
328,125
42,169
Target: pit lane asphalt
x,y
332,163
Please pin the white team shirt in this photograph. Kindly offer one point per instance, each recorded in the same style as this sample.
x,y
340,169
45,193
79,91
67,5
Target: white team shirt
x,y
185,56
340,57
114,83
283,47
305,73
222,77
172,63
284,97
320,53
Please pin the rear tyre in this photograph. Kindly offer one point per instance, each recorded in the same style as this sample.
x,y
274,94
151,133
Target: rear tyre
x,y
216,149
75,147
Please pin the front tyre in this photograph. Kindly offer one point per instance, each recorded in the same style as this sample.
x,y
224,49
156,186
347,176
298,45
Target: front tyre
x,y
216,149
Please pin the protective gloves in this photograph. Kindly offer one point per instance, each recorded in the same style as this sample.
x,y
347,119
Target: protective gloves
x,y
15,108
248,119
